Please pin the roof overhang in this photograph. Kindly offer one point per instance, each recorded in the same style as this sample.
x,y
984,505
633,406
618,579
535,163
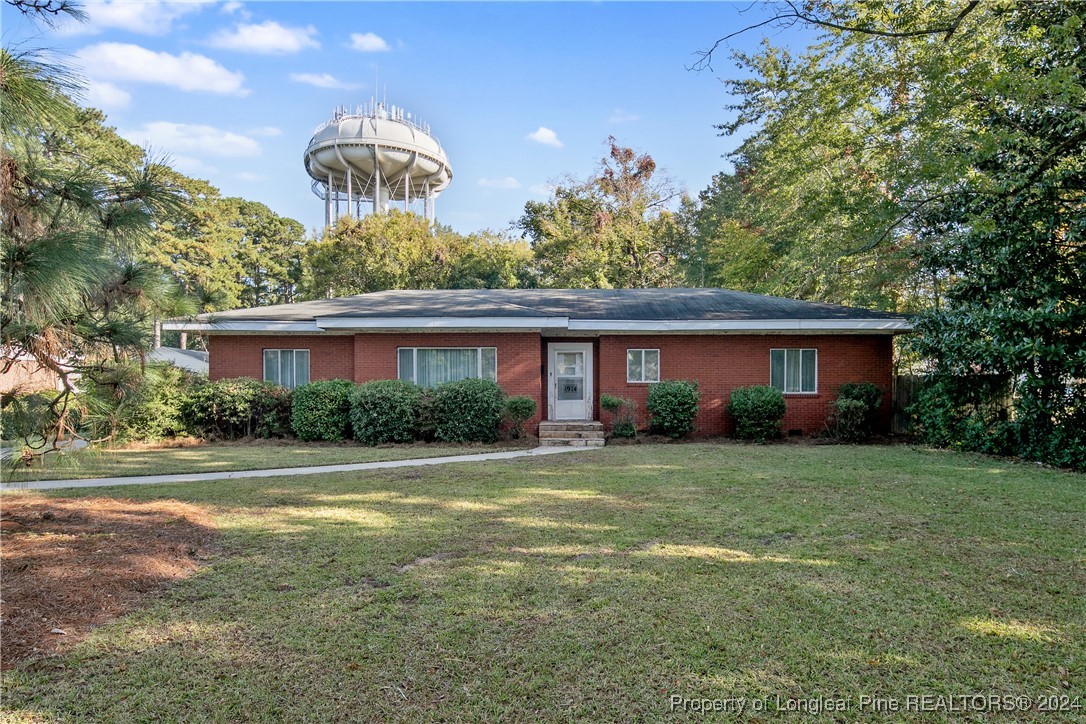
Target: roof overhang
x,y
724,326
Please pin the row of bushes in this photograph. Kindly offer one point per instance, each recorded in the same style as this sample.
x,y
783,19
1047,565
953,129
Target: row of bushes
x,y
170,402
758,411
383,411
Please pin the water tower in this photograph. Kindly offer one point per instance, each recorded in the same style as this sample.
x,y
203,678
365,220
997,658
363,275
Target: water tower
x,y
372,157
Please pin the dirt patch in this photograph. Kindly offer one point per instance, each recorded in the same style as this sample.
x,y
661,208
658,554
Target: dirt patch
x,y
71,564
427,560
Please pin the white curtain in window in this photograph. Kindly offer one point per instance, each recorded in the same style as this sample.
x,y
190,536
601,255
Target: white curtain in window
x,y
286,367
436,366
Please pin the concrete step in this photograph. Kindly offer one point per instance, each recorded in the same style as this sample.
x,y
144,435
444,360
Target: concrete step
x,y
570,426
571,442
570,434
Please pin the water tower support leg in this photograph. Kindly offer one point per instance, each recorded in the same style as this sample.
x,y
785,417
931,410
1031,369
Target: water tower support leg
x,y
348,191
376,179
328,203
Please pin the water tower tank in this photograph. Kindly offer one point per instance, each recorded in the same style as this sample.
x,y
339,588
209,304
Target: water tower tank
x,y
373,157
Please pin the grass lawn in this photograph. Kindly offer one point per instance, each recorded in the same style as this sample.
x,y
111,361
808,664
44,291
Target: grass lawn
x,y
596,586
222,457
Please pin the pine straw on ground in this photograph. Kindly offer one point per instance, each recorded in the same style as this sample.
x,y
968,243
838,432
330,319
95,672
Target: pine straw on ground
x,y
70,565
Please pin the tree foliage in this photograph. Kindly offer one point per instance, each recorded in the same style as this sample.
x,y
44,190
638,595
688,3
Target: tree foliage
x,y
925,156
75,295
613,230
401,251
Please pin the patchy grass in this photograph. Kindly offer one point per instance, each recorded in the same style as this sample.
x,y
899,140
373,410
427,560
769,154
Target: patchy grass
x,y
596,586
193,456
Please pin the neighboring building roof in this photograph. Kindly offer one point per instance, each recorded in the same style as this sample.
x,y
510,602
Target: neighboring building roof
x,y
186,359
573,309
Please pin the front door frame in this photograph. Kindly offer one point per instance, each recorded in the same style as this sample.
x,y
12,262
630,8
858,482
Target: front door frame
x,y
589,373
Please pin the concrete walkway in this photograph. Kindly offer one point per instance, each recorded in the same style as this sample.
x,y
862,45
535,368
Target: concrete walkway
x,y
276,472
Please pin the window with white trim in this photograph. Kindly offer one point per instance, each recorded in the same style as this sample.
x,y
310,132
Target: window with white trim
x,y
642,365
432,366
794,370
287,367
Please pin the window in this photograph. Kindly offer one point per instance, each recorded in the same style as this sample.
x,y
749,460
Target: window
x,y
794,370
286,367
642,365
431,366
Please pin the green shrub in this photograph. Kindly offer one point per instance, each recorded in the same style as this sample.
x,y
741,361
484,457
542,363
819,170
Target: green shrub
x,y
518,410
154,410
621,410
850,420
869,395
468,411
673,405
757,411
237,407
426,415
273,412
386,411
321,410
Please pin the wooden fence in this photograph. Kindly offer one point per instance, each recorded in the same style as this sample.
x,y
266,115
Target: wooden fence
x,y
906,389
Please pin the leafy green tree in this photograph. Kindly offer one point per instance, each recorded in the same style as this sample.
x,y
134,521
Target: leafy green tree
x,y
269,252
611,231
401,251
930,156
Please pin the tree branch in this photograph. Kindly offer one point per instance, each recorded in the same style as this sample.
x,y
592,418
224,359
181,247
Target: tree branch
x,y
794,15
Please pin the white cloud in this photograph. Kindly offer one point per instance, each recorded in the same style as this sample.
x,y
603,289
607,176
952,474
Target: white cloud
x,y
149,17
187,71
620,116
267,131
545,136
191,166
368,43
267,38
229,8
248,176
506,182
185,138
106,96
323,80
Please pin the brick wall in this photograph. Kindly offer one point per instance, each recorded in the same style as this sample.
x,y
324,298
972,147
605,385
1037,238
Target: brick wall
x,y
519,359
718,363
331,357
721,363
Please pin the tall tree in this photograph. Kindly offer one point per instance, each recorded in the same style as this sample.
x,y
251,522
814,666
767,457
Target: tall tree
x,y
74,295
401,251
614,230
930,156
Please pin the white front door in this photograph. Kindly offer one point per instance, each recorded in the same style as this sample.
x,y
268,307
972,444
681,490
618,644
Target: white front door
x,y
570,383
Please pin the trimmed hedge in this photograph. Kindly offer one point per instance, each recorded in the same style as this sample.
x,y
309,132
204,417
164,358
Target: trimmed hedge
x,y
238,407
757,411
322,410
518,410
673,405
468,411
386,411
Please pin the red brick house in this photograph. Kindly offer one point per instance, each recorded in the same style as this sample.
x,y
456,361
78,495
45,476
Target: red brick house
x,y
566,347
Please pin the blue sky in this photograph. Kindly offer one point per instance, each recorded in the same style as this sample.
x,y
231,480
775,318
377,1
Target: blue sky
x,y
232,91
